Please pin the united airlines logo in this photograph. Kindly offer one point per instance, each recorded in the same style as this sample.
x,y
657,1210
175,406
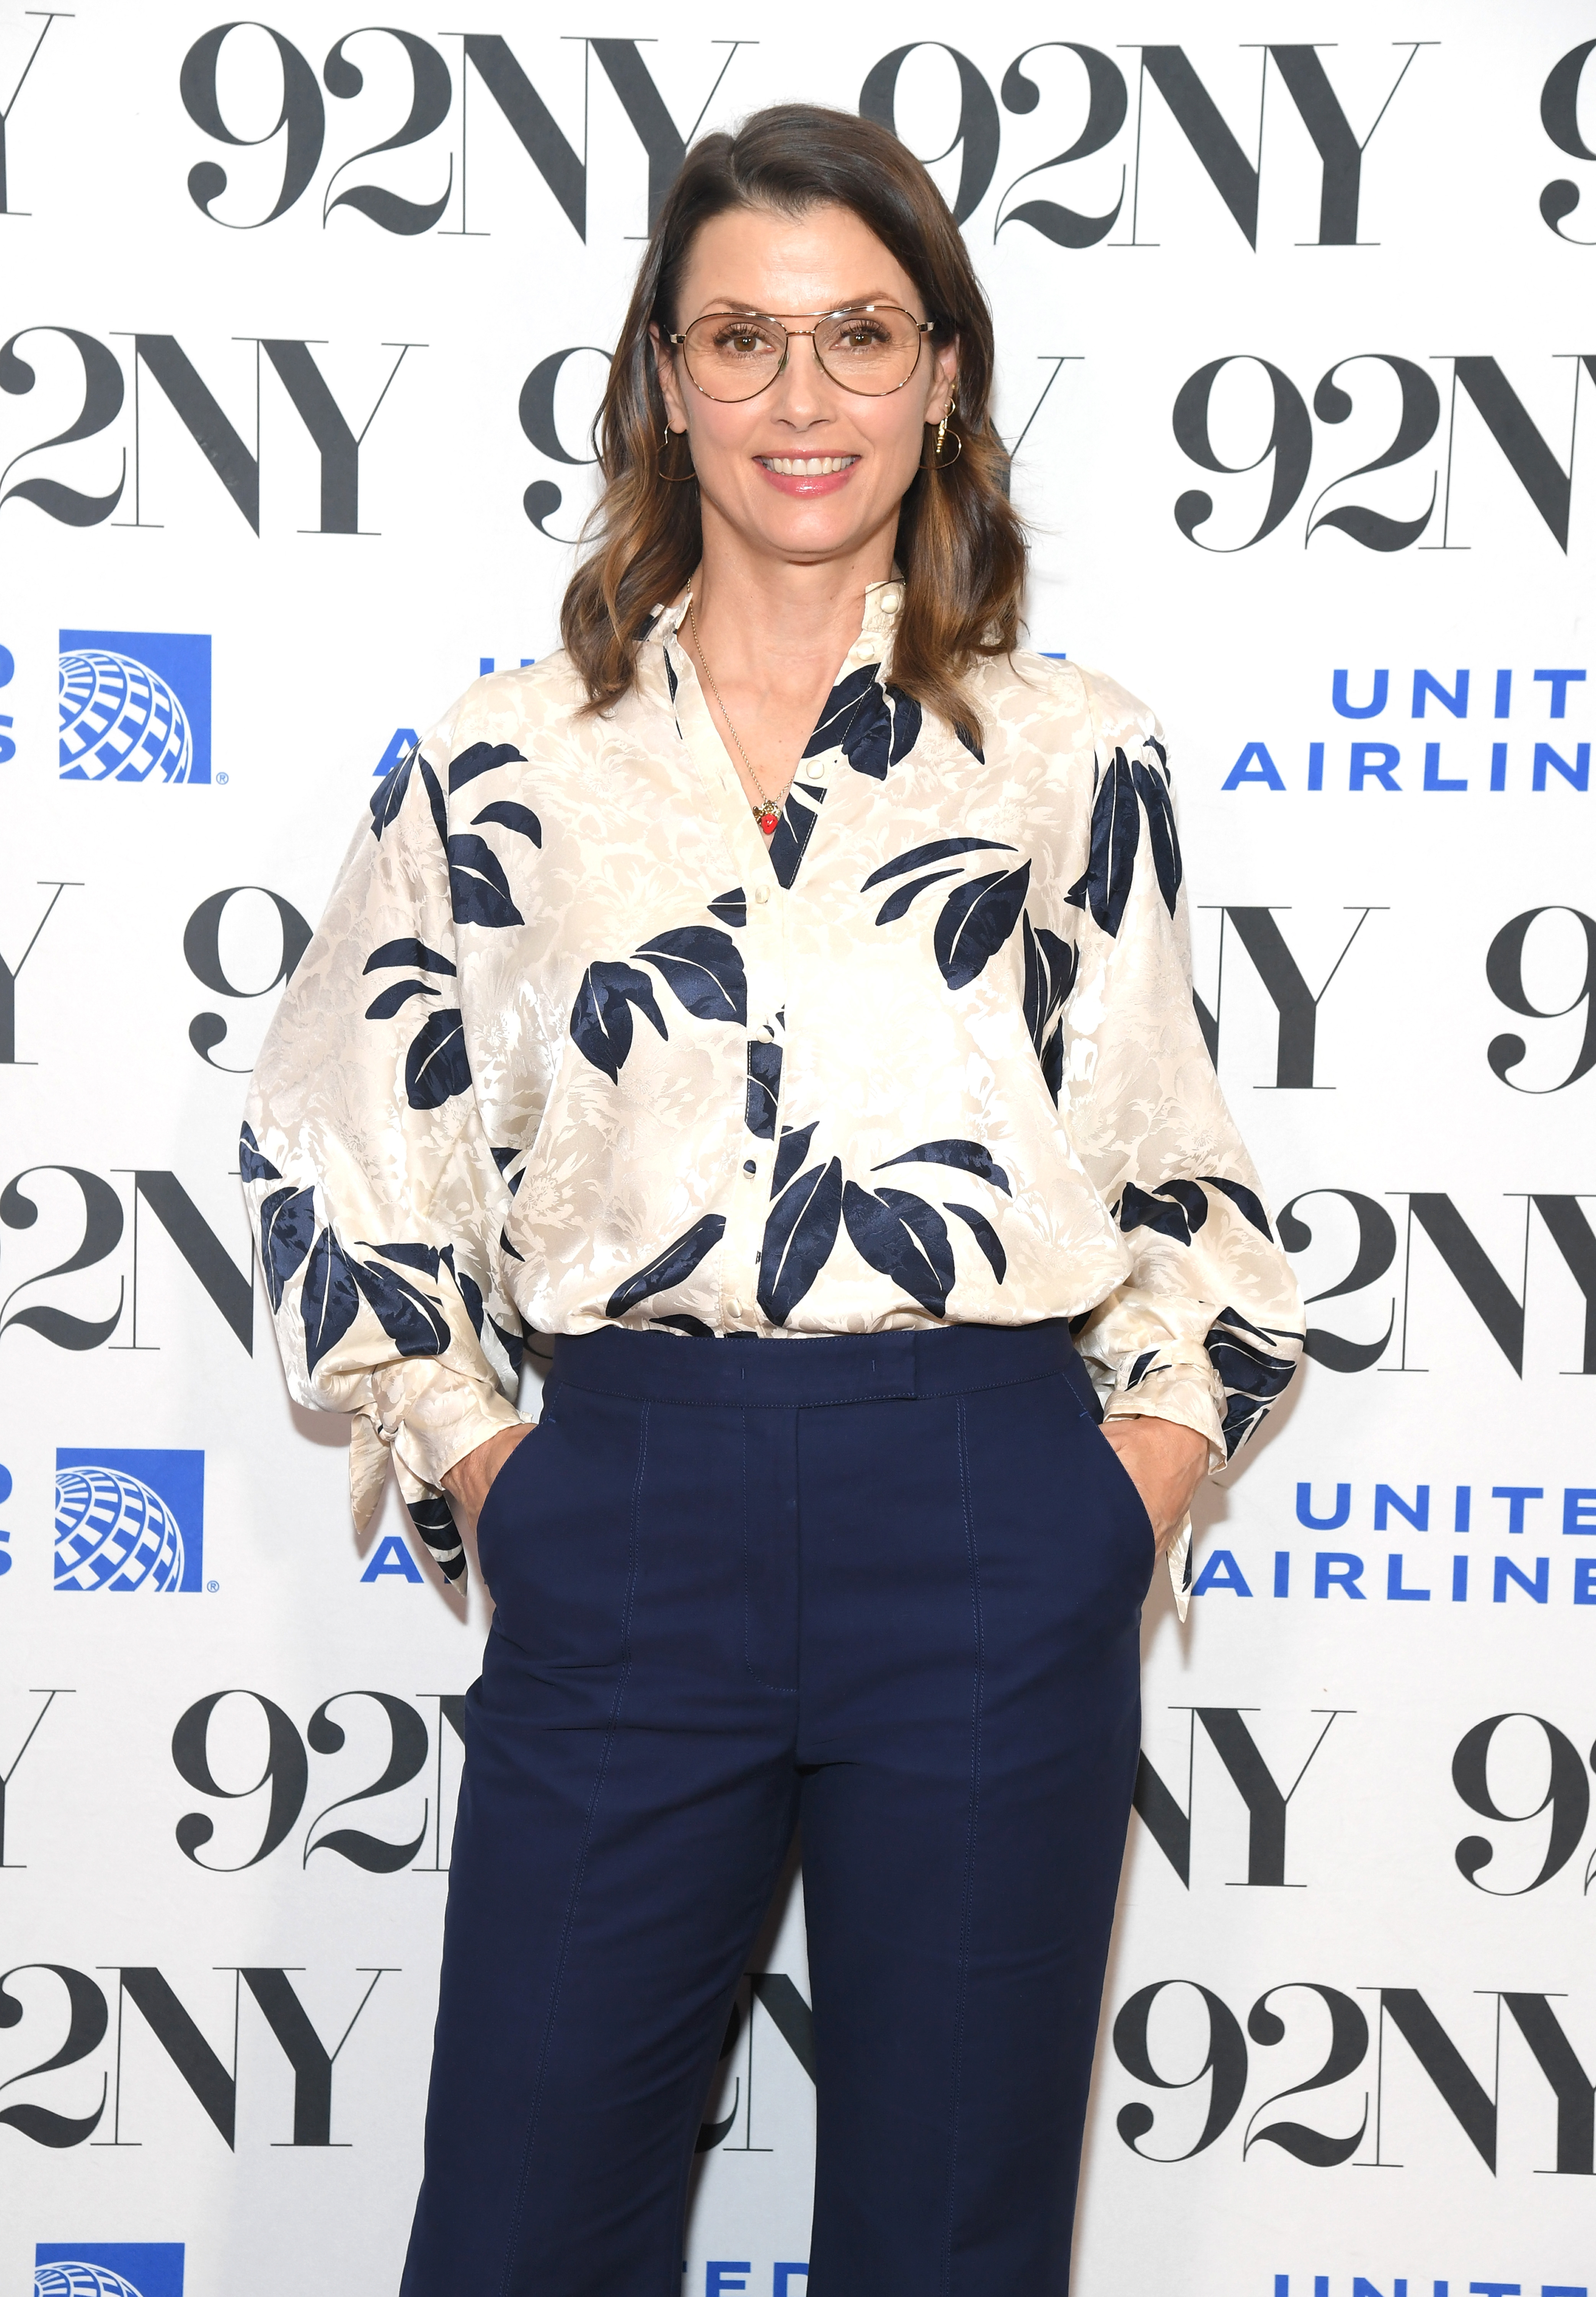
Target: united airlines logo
x,y
118,2268
126,1520
135,707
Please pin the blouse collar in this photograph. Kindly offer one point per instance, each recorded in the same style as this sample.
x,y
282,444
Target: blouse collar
x,y
884,602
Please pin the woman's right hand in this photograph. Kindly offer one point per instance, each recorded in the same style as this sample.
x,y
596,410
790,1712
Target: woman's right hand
x,y
468,1481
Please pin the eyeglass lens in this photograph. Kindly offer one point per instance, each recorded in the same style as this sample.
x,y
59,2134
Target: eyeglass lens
x,y
872,351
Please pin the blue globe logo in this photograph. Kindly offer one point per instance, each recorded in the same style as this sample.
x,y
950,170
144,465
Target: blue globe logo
x,y
71,2279
111,1531
120,722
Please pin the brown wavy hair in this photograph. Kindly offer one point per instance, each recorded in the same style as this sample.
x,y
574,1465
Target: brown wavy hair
x,y
960,544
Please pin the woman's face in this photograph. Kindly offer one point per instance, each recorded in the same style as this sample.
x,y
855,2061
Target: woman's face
x,y
808,470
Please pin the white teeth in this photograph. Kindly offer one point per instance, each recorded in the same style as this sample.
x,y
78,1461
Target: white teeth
x,y
807,467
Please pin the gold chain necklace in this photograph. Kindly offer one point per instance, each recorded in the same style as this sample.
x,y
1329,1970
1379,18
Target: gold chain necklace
x,y
766,813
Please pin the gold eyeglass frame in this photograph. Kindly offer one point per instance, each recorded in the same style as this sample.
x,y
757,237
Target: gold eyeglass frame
x,y
923,327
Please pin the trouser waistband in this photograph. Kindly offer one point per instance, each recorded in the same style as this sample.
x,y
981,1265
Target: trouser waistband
x,y
751,1372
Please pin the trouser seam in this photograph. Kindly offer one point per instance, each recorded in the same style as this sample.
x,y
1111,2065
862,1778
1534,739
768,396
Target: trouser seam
x,y
783,1690
962,1982
513,2236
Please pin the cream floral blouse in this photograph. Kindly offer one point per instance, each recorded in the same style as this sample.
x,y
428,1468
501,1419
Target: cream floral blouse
x,y
572,1047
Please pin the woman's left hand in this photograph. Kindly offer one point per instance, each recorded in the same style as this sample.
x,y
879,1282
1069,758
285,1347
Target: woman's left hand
x,y
1166,1462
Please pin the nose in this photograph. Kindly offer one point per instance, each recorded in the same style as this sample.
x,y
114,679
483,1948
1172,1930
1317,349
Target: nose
x,y
803,388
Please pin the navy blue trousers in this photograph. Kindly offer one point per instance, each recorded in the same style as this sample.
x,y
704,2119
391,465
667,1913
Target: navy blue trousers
x,y
882,1589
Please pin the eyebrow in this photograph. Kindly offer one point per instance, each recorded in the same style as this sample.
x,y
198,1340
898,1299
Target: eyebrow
x,y
761,311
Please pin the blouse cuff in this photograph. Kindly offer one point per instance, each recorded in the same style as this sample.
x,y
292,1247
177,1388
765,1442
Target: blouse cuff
x,y
435,1415
1187,1393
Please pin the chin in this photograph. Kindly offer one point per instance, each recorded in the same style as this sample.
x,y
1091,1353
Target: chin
x,y
827,528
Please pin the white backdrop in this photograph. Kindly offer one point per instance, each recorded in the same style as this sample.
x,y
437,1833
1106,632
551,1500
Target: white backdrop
x,y
311,467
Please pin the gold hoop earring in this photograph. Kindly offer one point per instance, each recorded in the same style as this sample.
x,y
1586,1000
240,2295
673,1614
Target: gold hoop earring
x,y
939,460
672,478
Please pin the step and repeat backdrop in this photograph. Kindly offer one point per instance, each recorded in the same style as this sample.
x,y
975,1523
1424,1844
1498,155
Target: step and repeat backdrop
x,y
302,324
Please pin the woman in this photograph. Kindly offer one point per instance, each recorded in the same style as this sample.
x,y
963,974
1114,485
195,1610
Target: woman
x,y
789,959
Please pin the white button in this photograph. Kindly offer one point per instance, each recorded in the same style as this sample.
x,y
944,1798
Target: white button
x,y
761,894
890,600
816,773
734,1307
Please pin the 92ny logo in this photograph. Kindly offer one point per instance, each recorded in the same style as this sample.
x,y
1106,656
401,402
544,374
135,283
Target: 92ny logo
x,y
34,1994
216,1741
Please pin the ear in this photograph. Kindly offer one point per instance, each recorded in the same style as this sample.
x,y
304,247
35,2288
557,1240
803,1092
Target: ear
x,y
664,360
944,371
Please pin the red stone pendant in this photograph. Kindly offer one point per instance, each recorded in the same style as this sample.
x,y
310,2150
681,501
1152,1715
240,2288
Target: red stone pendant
x,y
768,820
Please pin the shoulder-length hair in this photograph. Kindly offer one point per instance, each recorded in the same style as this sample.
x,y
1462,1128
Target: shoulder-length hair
x,y
960,545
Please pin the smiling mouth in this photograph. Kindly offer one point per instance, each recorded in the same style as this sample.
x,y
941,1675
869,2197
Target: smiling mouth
x,y
807,467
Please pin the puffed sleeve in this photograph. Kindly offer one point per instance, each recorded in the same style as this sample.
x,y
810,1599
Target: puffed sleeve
x,y
1206,1328
367,1166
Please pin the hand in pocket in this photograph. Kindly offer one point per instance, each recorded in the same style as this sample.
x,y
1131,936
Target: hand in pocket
x,y
1166,1462
469,1481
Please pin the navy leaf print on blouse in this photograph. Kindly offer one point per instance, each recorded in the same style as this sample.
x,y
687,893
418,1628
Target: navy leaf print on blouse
x,y
428,1257
433,789
907,720
328,1300
287,1224
470,1292
601,1019
481,758
435,1523
671,680
868,736
795,830
799,1235
968,1155
731,908
1051,965
252,1164
967,738
1105,888
764,1088
896,905
838,707
975,922
920,857
677,1260
413,1322
479,892
508,815
1152,790
389,795
704,969
1253,1375
1244,1202
902,1237
1175,1209
436,1066
387,1003
880,729
694,1327
985,1235
407,952
791,1154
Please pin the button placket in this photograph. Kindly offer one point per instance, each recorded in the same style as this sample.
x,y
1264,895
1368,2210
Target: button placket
x,y
765,953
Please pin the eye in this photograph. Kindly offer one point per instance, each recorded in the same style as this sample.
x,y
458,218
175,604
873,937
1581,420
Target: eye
x,y
741,341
